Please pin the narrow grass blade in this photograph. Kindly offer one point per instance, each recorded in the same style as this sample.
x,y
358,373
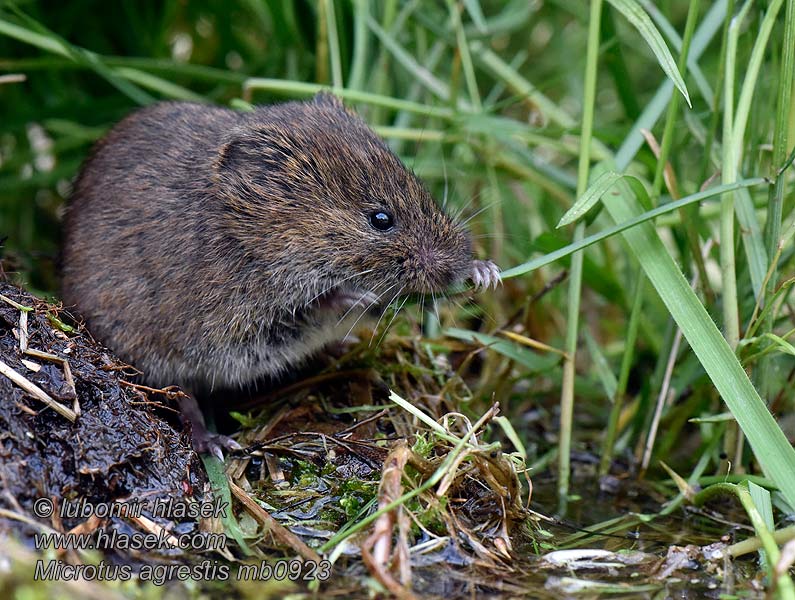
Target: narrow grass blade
x,y
601,365
52,43
705,32
302,89
770,445
220,485
753,242
333,45
591,196
166,88
513,79
361,42
512,435
408,62
673,37
551,257
641,21
476,14
523,356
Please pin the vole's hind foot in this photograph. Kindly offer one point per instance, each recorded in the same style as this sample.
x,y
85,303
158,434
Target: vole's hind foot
x,y
202,440
213,443
485,274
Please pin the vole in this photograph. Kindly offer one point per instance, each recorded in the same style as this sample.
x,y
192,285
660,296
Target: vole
x,y
210,247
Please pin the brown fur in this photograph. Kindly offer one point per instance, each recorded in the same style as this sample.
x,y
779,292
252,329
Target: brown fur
x,y
208,246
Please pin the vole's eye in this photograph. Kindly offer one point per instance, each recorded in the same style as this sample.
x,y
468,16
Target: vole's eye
x,y
382,221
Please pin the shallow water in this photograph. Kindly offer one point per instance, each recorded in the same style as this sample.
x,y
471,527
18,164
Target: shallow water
x,y
639,555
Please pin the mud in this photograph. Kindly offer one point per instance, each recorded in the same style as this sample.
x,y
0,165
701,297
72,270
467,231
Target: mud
x,y
122,446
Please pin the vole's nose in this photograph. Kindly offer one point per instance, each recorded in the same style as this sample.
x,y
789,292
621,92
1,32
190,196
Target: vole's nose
x,y
437,266
427,257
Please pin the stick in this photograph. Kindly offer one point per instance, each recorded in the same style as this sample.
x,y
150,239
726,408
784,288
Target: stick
x,y
35,391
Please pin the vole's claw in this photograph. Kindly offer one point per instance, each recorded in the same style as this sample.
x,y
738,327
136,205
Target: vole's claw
x,y
485,274
204,441
213,443
217,453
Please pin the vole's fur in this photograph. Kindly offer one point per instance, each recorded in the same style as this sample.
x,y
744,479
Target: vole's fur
x,y
210,247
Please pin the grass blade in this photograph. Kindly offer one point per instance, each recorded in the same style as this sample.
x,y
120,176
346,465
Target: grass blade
x,y
476,14
706,31
402,56
673,37
523,356
591,196
641,21
551,257
770,445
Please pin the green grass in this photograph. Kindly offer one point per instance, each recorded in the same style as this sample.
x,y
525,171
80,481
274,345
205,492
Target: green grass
x,y
534,114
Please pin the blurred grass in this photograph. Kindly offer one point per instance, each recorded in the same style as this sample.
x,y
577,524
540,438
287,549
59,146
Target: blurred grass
x,y
485,100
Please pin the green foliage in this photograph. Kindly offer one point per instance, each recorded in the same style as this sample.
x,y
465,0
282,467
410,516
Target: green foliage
x,y
488,101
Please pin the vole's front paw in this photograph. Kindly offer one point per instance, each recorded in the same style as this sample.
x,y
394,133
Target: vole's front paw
x,y
345,301
485,274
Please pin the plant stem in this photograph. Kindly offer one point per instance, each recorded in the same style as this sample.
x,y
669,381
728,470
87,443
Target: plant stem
x,y
690,224
333,44
575,278
623,377
776,195
673,106
361,39
321,44
731,319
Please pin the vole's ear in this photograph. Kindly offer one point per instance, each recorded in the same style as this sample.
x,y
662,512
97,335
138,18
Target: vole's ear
x,y
328,99
252,163
234,167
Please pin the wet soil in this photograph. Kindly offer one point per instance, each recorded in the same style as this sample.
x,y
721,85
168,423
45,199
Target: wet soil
x,y
314,461
120,447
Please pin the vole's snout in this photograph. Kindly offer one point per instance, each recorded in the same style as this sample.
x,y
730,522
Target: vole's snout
x,y
427,260
436,264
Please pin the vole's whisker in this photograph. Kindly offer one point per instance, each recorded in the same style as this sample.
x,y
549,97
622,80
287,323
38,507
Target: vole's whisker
x,y
386,308
392,320
347,312
335,284
464,308
460,210
492,236
476,213
368,307
444,170
452,319
373,302
436,308
357,303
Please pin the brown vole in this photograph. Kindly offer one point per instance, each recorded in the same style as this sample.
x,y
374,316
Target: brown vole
x,y
210,247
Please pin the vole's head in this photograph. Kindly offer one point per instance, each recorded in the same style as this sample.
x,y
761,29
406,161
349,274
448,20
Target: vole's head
x,y
314,195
